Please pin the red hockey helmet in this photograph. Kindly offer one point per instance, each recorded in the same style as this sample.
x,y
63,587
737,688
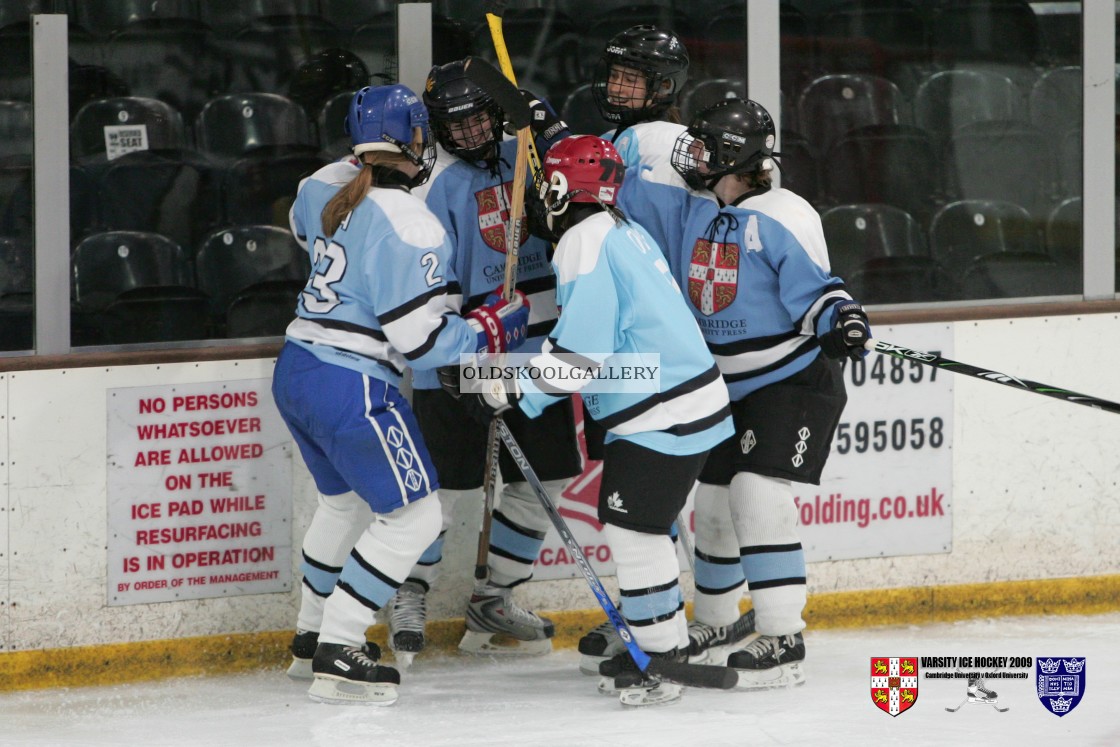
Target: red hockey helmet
x,y
581,168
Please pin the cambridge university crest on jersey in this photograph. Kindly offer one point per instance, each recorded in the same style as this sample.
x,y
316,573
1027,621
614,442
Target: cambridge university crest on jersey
x,y
493,214
713,275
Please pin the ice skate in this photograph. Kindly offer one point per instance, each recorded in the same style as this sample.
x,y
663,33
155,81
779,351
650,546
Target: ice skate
x,y
303,648
496,625
978,693
635,688
596,646
770,661
408,611
712,645
351,675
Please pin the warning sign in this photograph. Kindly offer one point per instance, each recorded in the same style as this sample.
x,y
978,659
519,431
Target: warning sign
x,y
199,488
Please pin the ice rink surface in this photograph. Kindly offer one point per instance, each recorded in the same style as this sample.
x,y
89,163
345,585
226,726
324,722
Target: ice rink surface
x,y
450,700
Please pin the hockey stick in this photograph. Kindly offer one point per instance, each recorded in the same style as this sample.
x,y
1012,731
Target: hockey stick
x,y
694,675
936,361
490,80
494,11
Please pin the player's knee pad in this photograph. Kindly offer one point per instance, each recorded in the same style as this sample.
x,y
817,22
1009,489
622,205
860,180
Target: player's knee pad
x,y
762,510
519,503
394,541
344,504
642,560
336,525
715,534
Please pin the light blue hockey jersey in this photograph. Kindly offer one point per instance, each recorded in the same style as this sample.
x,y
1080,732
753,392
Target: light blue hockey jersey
x,y
382,294
757,273
757,278
473,206
649,192
617,296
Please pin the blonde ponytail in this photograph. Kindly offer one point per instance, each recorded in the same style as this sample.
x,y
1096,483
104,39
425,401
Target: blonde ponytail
x,y
350,196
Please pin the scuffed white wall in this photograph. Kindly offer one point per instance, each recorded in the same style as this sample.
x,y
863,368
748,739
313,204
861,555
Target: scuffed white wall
x,y
1035,493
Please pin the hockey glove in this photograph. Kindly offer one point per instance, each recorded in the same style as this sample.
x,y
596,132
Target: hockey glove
x,y
498,397
545,123
849,335
501,325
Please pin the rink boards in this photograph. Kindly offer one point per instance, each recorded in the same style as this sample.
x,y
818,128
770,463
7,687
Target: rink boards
x,y
1033,484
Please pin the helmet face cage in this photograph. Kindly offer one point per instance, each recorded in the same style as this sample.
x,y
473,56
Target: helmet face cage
x,y
658,55
459,108
731,137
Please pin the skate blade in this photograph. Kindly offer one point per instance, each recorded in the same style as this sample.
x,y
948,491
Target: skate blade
x,y
637,697
606,686
785,675
338,691
501,644
300,670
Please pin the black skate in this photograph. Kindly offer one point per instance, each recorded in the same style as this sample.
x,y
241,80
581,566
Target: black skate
x,y
303,650
351,674
770,661
408,611
712,645
621,675
597,645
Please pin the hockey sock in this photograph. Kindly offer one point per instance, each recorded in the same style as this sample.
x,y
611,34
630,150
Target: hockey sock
x,y
338,522
378,564
719,572
518,531
648,587
765,519
426,570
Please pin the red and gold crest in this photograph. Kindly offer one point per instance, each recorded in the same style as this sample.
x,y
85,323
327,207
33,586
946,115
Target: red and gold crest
x,y
894,683
493,215
713,275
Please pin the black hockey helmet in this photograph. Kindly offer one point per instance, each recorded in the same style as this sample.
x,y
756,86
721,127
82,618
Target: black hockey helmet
x,y
663,59
326,73
733,136
452,97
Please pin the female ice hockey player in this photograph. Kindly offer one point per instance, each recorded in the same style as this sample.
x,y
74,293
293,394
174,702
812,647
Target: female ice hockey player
x,y
637,83
470,194
381,296
755,265
616,297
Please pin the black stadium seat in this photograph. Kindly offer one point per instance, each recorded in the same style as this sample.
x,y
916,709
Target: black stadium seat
x,y
117,123
233,259
858,233
231,126
964,230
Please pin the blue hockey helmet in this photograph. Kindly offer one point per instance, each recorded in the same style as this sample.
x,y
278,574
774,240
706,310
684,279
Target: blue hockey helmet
x,y
382,118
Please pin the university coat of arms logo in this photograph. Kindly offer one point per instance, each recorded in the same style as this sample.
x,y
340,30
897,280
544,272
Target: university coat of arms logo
x,y
713,275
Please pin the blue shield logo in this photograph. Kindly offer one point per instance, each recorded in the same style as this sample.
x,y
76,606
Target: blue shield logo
x,y
1060,682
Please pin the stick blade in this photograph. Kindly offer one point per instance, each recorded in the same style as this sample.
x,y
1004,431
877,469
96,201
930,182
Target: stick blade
x,y
496,7
490,79
695,675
